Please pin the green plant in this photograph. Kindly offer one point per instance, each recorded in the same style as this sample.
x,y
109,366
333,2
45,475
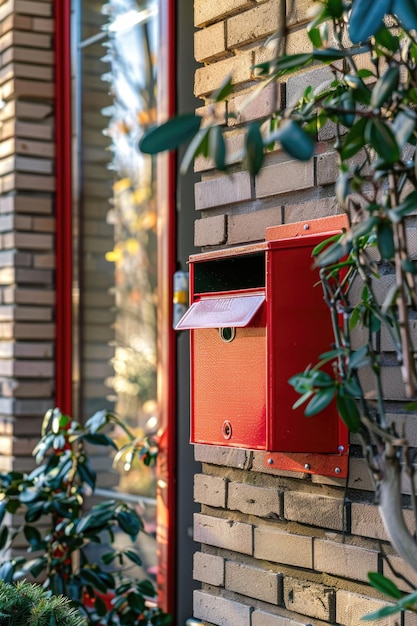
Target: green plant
x,y
26,604
371,108
59,527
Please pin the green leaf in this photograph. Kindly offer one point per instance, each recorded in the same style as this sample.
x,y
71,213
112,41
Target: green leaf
x,y
366,18
132,556
403,126
348,411
198,145
100,606
89,577
406,11
354,140
129,523
315,37
384,38
359,358
217,147
385,87
342,189
334,253
384,585
171,134
321,400
384,612
4,535
385,240
254,148
407,206
32,535
335,8
224,90
382,139
99,439
329,55
295,141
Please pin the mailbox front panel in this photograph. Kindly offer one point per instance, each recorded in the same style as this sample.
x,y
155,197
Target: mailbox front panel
x,y
228,398
300,330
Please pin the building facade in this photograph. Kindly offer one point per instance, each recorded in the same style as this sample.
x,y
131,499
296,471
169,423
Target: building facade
x,y
273,547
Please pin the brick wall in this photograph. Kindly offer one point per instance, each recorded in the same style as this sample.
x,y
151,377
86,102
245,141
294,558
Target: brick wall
x,y
27,257
277,548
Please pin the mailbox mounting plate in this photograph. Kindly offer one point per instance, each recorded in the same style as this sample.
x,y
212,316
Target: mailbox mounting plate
x,y
335,465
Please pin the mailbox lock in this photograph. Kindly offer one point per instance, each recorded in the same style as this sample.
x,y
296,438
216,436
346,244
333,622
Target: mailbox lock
x,y
227,429
227,334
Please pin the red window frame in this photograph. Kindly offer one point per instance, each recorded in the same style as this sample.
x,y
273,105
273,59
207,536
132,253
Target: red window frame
x,y
166,496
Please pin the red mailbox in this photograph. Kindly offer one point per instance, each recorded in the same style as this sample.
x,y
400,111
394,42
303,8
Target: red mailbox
x,y
257,318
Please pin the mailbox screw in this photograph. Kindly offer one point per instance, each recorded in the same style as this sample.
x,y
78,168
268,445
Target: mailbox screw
x,y
307,466
270,461
337,470
306,227
341,448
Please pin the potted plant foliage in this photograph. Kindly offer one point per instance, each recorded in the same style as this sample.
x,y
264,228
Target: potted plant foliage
x,y
60,527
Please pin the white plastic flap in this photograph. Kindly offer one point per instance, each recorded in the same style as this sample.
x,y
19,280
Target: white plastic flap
x,y
224,312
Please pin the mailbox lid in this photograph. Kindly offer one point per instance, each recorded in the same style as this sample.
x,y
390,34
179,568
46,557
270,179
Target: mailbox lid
x,y
222,311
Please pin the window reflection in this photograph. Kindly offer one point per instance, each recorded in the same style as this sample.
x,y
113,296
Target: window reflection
x,y
117,223
132,47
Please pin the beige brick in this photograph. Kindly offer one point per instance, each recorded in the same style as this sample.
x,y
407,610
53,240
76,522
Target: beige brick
x,y
284,177
307,598
34,241
33,314
210,42
344,560
208,79
367,522
256,23
27,276
350,607
28,296
247,107
327,168
311,210
252,500
251,226
297,11
209,569
29,331
228,457
38,350
43,25
34,369
210,231
223,190
262,618
220,611
403,568
33,8
252,581
210,490
282,547
314,509
223,533
216,9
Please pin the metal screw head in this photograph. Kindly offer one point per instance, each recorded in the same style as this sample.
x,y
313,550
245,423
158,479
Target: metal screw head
x,y
306,226
270,461
341,448
337,470
307,466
